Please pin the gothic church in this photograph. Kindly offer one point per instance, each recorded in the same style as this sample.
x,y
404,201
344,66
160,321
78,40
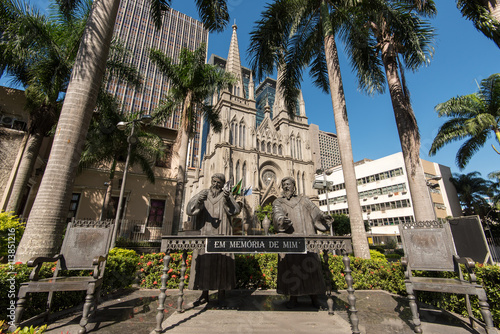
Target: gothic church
x,y
259,143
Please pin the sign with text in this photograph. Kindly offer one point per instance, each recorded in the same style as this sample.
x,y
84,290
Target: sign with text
x,y
256,245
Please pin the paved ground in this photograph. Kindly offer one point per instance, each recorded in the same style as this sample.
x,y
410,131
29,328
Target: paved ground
x,y
259,312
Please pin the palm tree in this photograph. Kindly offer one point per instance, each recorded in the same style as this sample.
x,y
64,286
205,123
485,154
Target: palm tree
x,y
52,201
387,36
106,146
295,34
485,15
192,82
474,116
472,191
40,60
495,188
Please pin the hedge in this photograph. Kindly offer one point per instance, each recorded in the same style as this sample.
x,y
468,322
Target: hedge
x,y
258,271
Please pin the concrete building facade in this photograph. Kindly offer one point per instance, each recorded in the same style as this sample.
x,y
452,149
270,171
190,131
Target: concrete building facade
x,y
385,196
134,28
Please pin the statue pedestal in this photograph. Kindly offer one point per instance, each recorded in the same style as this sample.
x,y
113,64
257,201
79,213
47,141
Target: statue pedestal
x,y
281,243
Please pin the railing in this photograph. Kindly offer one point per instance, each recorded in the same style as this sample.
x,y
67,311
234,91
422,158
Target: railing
x,y
139,230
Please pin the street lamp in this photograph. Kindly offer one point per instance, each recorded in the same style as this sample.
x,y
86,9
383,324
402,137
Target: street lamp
x,y
132,140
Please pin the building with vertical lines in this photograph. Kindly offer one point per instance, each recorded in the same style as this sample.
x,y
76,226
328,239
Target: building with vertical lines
x,y
134,28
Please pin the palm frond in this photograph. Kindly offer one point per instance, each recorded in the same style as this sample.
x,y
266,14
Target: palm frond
x,y
158,7
213,13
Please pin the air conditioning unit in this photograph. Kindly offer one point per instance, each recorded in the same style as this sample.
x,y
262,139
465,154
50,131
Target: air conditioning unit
x,y
7,121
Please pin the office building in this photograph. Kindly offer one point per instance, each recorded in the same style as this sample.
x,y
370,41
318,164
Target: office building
x,y
385,195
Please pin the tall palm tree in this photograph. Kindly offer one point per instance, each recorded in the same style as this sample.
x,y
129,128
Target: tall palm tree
x,y
192,81
40,59
389,36
472,191
475,116
294,34
485,15
54,194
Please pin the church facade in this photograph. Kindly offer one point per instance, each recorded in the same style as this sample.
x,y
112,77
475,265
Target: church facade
x,y
259,143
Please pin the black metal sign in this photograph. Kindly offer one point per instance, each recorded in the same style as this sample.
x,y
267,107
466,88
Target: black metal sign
x,y
255,245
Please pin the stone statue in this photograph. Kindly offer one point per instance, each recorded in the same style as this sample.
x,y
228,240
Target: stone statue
x,y
212,210
299,274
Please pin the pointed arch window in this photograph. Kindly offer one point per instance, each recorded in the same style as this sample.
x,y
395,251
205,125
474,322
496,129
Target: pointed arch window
x,y
263,146
280,150
231,130
240,141
303,182
274,149
299,185
244,175
237,179
243,130
299,148
268,147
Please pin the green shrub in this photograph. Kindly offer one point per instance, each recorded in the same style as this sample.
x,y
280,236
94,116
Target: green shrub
x,y
121,269
393,256
151,270
378,248
120,272
376,255
25,330
11,231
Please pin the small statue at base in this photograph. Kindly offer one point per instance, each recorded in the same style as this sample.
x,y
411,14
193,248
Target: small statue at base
x,y
212,210
299,274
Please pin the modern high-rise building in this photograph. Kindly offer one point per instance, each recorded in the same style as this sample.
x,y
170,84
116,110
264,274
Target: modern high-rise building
x,y
134,28
325,148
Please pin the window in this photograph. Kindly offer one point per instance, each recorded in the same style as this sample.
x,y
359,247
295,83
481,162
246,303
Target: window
x,y
166,160
113,206
156,212
73,206
244,175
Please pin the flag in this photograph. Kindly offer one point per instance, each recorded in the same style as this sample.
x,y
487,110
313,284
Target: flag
x,y
247,191
237,188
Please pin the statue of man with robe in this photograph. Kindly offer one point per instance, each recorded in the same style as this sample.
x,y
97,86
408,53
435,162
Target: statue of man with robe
x,y
299,274
212,210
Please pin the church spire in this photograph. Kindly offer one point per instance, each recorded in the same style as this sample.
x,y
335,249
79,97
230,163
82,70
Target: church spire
x,y
233,64
279,98
251,88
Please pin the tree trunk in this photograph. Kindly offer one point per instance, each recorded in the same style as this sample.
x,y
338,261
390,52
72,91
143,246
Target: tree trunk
x,y
44,230
24,171
359,240
409,137
13,173
179,159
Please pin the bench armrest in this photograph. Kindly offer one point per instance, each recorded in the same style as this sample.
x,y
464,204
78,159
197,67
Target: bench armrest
x,y
96,262
467,261
469,265
37,263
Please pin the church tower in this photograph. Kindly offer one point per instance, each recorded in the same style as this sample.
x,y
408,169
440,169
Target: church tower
x,y
258,145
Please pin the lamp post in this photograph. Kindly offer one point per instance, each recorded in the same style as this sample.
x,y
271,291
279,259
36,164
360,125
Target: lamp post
x,y
132,140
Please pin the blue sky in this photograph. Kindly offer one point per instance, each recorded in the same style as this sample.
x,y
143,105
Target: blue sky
x,y
462,58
